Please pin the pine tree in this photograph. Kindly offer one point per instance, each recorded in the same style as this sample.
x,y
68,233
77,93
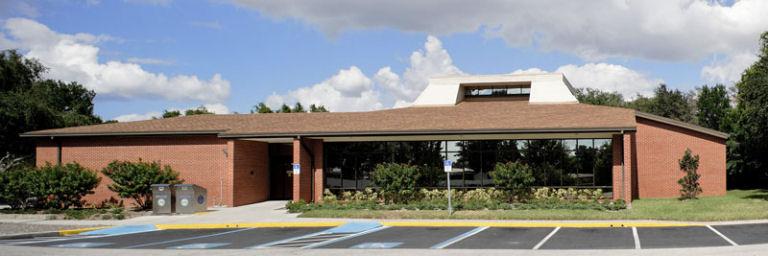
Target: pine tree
x,y
690,187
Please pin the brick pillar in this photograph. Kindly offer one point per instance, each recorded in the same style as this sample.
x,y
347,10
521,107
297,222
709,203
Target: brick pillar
x,y
302,183
623,149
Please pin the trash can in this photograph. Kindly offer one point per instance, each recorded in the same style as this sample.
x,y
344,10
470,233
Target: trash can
x,y
162,199
190,198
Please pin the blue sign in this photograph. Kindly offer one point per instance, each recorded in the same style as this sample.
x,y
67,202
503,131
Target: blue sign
x,y
296,169
447,165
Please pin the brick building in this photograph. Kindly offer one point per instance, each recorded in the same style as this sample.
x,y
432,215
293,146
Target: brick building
x,y
476,121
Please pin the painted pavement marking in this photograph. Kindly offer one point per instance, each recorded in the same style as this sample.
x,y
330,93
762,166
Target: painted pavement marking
x,y
81,245
199,246
637,238
187,238
346,237
723,236
458,238
546,238
377,245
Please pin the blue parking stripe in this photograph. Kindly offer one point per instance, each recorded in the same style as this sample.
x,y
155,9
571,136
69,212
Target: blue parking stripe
x,y
121,230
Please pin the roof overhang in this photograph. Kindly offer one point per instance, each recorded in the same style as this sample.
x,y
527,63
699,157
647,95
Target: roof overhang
x,y
680,124
104,134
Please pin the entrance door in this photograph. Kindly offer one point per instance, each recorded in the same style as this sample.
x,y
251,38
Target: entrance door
x,y
280,169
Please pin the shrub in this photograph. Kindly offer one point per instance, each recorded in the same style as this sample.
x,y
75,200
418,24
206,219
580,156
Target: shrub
x,y
396,182
690,182
513,177
50,186
134,179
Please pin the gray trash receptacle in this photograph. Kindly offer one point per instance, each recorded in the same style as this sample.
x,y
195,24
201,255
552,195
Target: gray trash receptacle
x,y
162,199
190,198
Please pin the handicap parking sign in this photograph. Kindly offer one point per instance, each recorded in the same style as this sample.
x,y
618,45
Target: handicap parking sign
x,y
447,165
296,169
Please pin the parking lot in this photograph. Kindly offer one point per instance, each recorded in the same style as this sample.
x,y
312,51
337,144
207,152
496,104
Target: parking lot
x,y
367,236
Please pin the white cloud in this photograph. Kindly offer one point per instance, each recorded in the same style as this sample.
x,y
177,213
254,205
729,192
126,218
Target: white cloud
x,y
75,58
728,70
351,90
606,77
137,117
594,30
217,108
348,90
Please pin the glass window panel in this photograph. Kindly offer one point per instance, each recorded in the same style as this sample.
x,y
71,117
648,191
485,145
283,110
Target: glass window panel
x,y
525,90
453,146
485,92
513,90
601,142
586,143
499,91
473,170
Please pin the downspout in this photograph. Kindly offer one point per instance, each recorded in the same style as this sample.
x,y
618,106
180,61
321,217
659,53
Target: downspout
x,y
311,168
623,181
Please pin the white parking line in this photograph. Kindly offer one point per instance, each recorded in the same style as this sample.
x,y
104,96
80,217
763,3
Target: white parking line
x,y
187,238
82,237
546,238
458,238
637,238
723,236
345,237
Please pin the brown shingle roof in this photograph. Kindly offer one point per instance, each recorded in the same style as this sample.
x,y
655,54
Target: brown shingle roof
x,y
478,117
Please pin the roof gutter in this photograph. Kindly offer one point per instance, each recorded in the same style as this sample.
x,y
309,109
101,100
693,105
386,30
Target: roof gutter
x,y
41,135
424,132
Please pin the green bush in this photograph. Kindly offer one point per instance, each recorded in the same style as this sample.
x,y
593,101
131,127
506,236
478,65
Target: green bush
x,y
513,177
50,186
134,179
396,182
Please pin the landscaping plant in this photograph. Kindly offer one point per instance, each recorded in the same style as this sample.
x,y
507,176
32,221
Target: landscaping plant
x,y
513,177
134,179
50,186
690,182
397,182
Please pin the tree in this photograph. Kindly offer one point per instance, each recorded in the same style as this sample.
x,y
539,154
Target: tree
x,y
298,108
513,177
690,187
171,113
750,142
316,108
713,107
397,182
598,97
285,109
261,108
201,110
28,102
668,103
133,179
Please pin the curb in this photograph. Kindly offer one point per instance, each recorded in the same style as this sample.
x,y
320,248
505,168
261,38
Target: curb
x,y
69,232
252,225
30,235
534,224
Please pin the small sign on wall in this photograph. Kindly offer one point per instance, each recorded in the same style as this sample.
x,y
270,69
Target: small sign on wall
x,y
447,165
296,169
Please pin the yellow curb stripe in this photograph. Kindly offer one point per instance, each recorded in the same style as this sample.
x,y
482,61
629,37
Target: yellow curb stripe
x,y
69,232
252,225
533,224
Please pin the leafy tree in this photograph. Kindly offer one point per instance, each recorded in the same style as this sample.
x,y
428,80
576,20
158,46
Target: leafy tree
x,y
749,148
690,187
28,102
713,107
514,177
261,108
316,108
171,113
298,108
201,110
133,179
667,103
598,97
397,182
285,109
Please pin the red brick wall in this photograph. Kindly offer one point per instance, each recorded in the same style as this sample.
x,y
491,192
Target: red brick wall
x,y
250,167
622,146
199,159
659,148
302,183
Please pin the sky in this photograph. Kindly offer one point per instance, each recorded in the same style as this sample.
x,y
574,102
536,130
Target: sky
x,y
145,56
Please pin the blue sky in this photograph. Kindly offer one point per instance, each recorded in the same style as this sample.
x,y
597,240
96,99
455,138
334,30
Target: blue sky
x,y
144,56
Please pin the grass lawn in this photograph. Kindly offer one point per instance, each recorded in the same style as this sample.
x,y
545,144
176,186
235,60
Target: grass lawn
x,y
736,205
